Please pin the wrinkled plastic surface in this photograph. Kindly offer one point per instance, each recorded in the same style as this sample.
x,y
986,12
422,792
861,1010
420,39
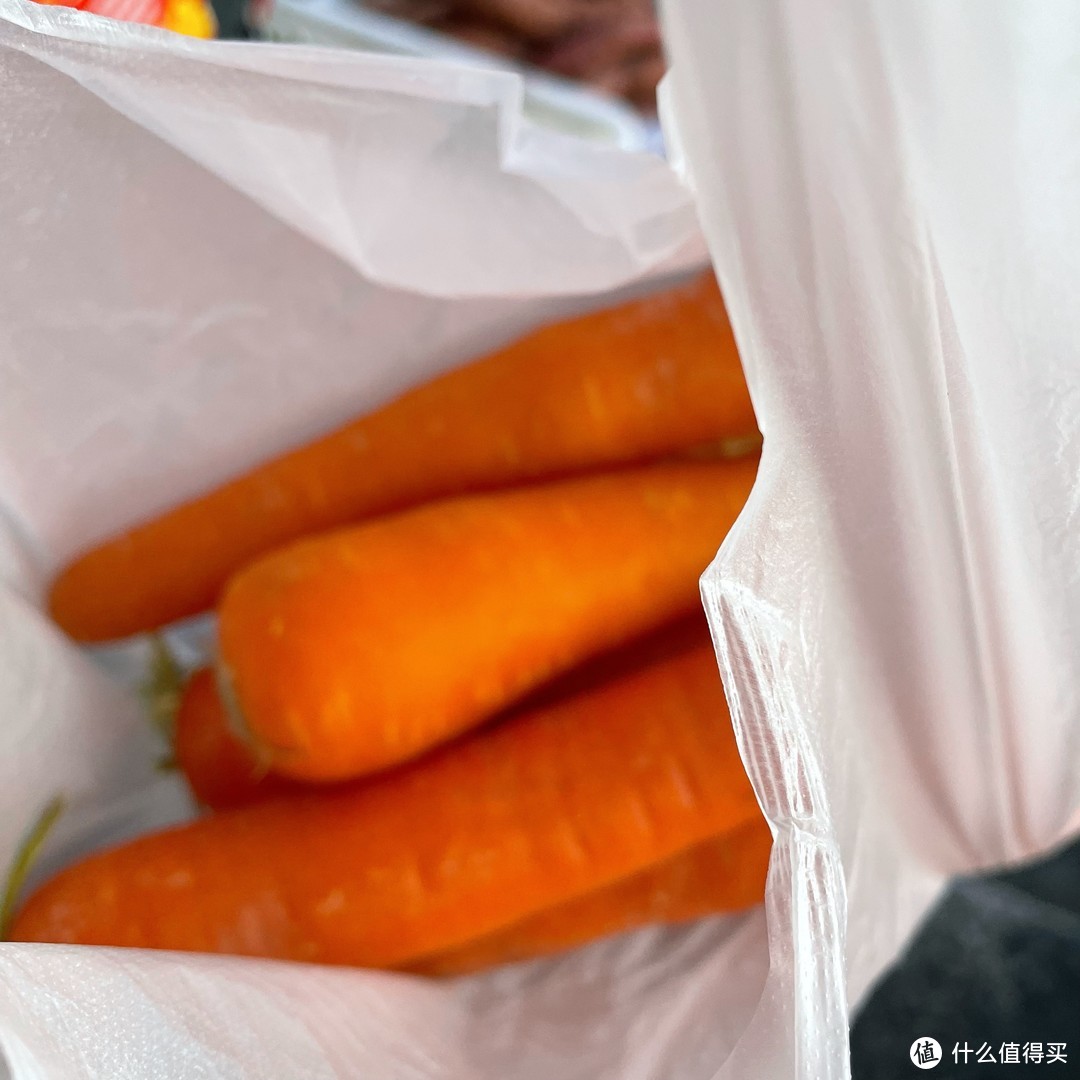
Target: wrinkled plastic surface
x,y
212,251
889,192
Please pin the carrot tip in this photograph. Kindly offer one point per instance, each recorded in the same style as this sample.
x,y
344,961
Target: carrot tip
x,y
262,752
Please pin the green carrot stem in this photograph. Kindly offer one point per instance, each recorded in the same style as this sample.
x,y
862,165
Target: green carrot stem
x,y
25,856
162,688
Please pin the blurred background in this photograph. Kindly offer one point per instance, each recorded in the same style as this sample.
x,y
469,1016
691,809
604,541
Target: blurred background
x,y
997,962
612,46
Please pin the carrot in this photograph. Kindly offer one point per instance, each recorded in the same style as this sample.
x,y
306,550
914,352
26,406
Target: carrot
x,y
629,384
513,820
723,874
222,770
347,653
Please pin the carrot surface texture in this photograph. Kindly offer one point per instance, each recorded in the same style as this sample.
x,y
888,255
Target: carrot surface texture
x,y
725,874
629,384
350,652
223,771
555,804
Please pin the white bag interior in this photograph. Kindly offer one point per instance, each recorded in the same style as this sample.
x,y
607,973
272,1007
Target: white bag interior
x,y
213,252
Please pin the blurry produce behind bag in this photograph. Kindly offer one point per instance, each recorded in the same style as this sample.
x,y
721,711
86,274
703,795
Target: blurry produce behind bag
x,y
611,45
551,98
193,17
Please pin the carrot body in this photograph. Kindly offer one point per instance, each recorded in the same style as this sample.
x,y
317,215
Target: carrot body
x,y
220,768
353,651
724,874
515,819
628,384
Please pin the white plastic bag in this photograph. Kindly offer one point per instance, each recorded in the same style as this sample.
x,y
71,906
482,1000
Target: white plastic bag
x,y
889,192
213,250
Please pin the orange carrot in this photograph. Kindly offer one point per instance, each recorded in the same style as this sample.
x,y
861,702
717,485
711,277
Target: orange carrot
x,y
222,770
723,874
346,653
516,819
629,384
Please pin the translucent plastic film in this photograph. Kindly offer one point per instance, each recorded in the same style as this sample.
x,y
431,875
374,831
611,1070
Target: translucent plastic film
x,y
889,193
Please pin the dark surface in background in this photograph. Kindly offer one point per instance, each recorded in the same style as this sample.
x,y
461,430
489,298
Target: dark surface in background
x,y
231,18
998,961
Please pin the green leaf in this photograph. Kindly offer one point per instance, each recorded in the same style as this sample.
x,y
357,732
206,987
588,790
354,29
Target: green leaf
x,y
25,857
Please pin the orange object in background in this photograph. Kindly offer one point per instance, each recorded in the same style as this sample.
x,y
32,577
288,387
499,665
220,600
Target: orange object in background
x,y
192,17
